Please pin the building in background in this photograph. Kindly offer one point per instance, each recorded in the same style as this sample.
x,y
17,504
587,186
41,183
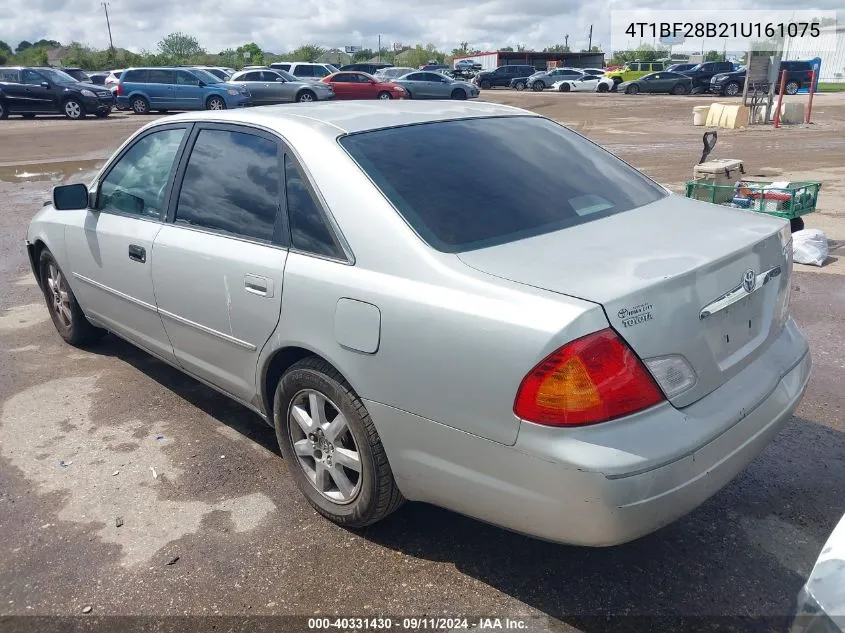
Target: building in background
x,y
539,60
829,47
336,57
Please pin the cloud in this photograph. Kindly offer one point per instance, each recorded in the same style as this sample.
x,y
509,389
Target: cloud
x,y
282,26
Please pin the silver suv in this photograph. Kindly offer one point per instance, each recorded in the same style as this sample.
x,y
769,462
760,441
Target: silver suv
x,y
305,70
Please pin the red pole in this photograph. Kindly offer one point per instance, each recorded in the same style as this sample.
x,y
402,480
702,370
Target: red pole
x,y
780,98
812,90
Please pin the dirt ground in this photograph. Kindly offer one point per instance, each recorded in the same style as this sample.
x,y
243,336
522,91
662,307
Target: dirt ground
x,y
213,525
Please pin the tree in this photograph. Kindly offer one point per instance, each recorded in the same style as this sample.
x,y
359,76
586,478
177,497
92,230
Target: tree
x,y
179,47
420,55
363,55
307,53
506,49
249,54
22,46
713,56
6,52
557,48
47,43
464,49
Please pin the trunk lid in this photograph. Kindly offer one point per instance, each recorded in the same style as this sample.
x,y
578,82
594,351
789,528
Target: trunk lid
x,y
673,278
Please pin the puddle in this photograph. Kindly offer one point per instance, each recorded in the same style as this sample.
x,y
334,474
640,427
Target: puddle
x,y
52,172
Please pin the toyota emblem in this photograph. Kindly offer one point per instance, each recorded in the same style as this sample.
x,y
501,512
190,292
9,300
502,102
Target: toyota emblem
x,y
749,280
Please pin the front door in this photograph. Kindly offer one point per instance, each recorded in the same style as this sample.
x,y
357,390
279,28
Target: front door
x,y
110,246
187,92
220,258
37,97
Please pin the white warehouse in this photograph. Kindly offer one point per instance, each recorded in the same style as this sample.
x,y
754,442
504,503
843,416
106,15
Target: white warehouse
x,y
830,48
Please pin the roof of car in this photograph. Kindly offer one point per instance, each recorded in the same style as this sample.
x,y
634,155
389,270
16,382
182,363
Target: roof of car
x,y
348,117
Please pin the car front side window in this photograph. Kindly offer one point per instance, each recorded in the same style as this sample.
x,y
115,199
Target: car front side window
x,y
136,184
232,184
32,78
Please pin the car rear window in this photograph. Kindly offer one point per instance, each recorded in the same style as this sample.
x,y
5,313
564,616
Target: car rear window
x,y
474,183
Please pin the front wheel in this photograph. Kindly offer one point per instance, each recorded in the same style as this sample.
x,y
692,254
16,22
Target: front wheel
x,y
680,89
796,224
65,312
458,94
732,89
384,96
73,109
215,103
332,448
140,105
4,111
538,86
485,84
104,114
564,87
306,96
520,85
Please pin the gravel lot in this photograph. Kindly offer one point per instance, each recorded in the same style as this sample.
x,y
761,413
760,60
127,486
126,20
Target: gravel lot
x,y
248,544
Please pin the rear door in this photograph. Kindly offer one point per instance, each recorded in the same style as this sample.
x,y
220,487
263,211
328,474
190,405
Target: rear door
x,y
13,90
253,82
344,85
220,257
187,91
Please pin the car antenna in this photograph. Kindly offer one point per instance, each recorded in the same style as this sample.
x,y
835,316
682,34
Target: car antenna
x,y
709,139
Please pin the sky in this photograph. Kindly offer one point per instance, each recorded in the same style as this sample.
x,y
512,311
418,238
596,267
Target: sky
x,y
281,25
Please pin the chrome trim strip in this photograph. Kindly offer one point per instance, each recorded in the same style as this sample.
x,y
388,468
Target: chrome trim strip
x,y
116,293
738,293
207,330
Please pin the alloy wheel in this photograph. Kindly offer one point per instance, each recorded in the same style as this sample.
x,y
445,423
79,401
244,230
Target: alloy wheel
x,y
59,296
73,109
216,104
324,446
732,89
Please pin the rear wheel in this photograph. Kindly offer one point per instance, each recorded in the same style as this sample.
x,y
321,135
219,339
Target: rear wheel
x,y
73,109
632,89
306,96
520,85
332,448
215,103
485,84
602,88
65,312
459,94
679,89
140,105
792,87
384,96
564,87
538,86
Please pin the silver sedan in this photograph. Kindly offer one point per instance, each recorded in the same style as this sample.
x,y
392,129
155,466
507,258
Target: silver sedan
x,y
431,85
459,303
268,86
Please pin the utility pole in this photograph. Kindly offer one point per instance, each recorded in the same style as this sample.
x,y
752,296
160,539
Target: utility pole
x,y
108,25
379,47
590,39
566,41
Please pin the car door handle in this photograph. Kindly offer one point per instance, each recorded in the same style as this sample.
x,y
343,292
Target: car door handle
x,y
257,285
137,253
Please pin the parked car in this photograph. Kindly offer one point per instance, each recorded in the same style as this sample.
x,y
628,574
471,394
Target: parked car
x,y
305,70
701,74
820,605
98,78
677,68
585,83
371,68
163,89
113,77
428,85
502,75
435,67
223,74
467,64
269,86
78,74
633,70
394,72
798,75
29,91
454,355
599,72
351,85
665,82
541,80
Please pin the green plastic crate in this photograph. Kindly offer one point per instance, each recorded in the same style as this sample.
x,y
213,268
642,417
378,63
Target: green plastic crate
x,y
800,198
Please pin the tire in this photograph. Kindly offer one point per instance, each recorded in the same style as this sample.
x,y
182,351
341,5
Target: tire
x,y
215,103
140,105
564,87
538,86
28,115
162,111
679,89
796,224
485,84
306,96
373,493
73,109
65,312
632,89
458,94
520,85
103,115
602,88
384,96
408,94
732,89
4,111
792,87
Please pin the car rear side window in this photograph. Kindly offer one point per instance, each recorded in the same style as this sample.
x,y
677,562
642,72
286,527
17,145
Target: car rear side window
x,y
160,76
9,75
473,183
232,184
309,230
136,184
135,76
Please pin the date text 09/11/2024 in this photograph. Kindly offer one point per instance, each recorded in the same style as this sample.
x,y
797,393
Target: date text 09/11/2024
x,y
722,29
419,624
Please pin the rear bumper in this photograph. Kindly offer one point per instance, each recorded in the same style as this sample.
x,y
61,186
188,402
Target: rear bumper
x,y
607,484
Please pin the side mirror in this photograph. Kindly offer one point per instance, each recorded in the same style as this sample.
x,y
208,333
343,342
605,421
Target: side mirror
x,y
201,84
371,81
70,197
45,84
282,79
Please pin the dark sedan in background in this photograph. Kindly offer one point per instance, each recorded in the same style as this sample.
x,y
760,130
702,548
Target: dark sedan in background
x,y
30,91
662,82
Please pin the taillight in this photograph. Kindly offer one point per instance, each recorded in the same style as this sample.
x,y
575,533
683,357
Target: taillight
x,y
119,90
592,379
